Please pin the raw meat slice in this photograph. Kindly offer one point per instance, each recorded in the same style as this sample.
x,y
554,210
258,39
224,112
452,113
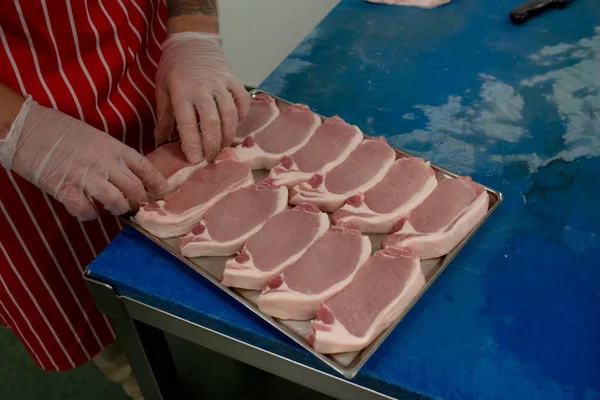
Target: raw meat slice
x,y
279,244
323,270
180,211
282,137
263,111
406,185
447,216
171,162
364,168
415,3
228,224
379,293
331,144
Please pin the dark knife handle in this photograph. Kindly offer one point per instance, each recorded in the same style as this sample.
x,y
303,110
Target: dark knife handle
x,y
531,8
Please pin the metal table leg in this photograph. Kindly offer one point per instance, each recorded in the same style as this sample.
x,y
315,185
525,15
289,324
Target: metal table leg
x,y
252,355
140,327
145,346
150,358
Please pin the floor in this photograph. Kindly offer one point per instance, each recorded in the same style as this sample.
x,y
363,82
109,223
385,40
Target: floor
x,y
21,379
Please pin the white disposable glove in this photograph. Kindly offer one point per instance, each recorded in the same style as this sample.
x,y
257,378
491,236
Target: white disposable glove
x,y
195,82
75,162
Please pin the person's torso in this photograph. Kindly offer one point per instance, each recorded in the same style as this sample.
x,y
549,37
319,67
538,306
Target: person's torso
x,y
96,61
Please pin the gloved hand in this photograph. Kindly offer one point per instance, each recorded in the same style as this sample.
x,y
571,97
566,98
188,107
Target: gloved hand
x,y
194,81
74,162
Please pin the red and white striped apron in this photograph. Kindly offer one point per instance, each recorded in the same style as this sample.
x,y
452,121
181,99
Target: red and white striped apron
x,y
94,60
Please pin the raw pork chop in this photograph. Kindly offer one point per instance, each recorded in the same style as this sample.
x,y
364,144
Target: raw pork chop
x,y
171,162
282,137
228,224
179,212
364,168
331,144
279,244
377,296
416,3
406,185
323,270
435,227
263,111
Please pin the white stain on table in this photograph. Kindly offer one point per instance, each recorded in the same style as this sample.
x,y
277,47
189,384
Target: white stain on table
x,y
501,110
497,113
576,96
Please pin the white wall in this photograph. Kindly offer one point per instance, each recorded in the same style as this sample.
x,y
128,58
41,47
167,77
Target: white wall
x,y
259,34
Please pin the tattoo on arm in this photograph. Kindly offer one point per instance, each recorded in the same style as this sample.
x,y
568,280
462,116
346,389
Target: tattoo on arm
x,y
175,8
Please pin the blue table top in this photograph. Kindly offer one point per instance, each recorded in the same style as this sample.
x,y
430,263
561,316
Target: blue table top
x,y
517,314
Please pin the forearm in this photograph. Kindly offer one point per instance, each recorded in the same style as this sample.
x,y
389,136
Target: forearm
x,y
192,16
10,104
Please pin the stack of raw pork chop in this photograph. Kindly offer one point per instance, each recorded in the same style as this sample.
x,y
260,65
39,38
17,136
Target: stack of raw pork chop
x,y
307,265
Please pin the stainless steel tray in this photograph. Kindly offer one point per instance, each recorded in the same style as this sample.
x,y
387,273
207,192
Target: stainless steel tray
x,y
347,364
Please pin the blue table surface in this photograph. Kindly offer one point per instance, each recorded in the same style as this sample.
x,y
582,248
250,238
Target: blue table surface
x,y
517,314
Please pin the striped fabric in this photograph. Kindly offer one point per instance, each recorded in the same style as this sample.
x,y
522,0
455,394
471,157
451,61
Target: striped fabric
x,y
96,61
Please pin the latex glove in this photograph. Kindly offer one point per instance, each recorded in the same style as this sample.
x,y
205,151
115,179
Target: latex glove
x,y
75,162
194,81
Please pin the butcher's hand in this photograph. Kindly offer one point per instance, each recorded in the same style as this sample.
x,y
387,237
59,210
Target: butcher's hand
x,y
196,88
76,163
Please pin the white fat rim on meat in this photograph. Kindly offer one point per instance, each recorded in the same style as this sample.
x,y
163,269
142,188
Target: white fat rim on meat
x,y
214,248
257,158
384,223
294,176
338,339
274,114
285,303
289,177
171,225
258,279
432,245
175,180
331,202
